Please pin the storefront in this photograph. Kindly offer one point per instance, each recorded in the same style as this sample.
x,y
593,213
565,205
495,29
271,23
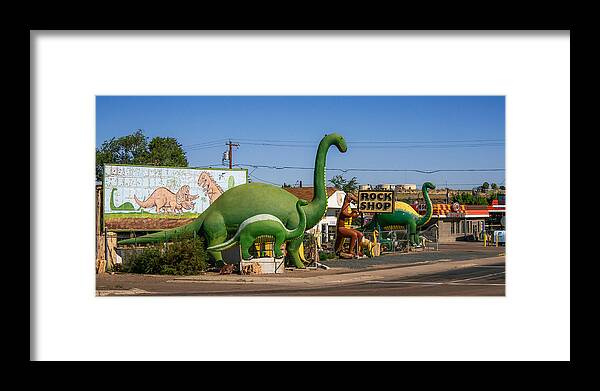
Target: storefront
x,y
459,222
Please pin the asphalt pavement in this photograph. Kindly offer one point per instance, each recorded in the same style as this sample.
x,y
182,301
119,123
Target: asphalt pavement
x,y
466,269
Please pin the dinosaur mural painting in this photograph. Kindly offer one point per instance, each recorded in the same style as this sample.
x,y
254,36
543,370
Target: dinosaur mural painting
x,y
164,200
225,215
264,224
123,206
404,215
210,187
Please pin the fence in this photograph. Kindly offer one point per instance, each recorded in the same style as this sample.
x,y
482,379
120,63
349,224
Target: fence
x,y
397,241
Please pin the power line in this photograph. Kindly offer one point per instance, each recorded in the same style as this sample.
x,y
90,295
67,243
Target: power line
x,y
375,169
385,146
220,141
264,180
207,147
272,142
372,142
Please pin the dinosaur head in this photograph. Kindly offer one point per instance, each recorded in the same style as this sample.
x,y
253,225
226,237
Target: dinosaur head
x,y
183,194
204,180
302,202
339,141
428,186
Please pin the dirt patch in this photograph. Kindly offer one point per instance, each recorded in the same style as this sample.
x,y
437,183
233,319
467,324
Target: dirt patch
x,y
145,224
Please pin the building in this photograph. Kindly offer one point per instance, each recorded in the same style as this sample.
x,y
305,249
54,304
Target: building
x,y
335,198
406,186
456,222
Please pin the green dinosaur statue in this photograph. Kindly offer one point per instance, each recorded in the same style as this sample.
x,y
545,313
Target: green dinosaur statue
x,y
404,215
225,215
264,224
123,206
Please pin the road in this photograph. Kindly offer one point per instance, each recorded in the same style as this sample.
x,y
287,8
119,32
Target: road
x,y
483,280
463,270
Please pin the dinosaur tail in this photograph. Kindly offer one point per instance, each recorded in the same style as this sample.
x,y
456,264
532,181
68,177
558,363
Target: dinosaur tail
x,y
167,235
143,204
225,245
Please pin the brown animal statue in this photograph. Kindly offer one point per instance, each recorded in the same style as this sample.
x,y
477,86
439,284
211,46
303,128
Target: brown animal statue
x,y
344,230
210,186
164,200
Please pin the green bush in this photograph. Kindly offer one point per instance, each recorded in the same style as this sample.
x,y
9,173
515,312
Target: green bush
x,y
183,257
326,255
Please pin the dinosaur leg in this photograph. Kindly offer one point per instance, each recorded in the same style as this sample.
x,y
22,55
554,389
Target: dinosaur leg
x,y
279,239
339,243
293,248
215,233
246,242
353,239
412,233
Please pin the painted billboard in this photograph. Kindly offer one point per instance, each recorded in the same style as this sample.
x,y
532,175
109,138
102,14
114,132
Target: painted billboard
x,y
150,198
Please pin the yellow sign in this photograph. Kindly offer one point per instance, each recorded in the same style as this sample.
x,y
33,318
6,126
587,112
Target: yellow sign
x,y
376,201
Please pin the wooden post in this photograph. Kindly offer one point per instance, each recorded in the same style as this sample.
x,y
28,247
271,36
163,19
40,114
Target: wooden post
x,y
111,249
100,234
100,253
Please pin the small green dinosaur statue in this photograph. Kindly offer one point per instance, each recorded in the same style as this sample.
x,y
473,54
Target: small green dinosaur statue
x,y
404,215
264,224
224,216
123,206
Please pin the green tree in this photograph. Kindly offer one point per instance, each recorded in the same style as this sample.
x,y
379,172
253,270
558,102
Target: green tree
x,y
494,186
491,198
469,199
135,149
166,151
349,186
485,186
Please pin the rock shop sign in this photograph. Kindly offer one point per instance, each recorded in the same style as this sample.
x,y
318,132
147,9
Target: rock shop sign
x,y
376,201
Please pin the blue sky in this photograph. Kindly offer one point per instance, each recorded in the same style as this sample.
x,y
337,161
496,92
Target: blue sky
x,y
383,132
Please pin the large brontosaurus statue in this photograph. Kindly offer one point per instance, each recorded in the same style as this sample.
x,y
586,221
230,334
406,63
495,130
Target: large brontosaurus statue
x,y
263,224
404,215
223,217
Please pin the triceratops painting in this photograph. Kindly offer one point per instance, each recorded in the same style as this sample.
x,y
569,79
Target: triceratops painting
x,y
164,200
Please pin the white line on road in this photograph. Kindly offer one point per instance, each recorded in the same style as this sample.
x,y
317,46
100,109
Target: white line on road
x,y
491,266
478,277
433,283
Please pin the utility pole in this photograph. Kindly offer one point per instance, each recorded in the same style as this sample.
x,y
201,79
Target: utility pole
x,y
230,156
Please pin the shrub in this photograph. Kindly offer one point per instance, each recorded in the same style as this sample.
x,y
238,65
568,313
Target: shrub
x,y
183,257
326,255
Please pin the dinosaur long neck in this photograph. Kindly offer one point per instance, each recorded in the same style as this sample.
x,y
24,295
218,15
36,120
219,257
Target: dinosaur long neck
x,y
425,218
112,200
318,205
301,224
